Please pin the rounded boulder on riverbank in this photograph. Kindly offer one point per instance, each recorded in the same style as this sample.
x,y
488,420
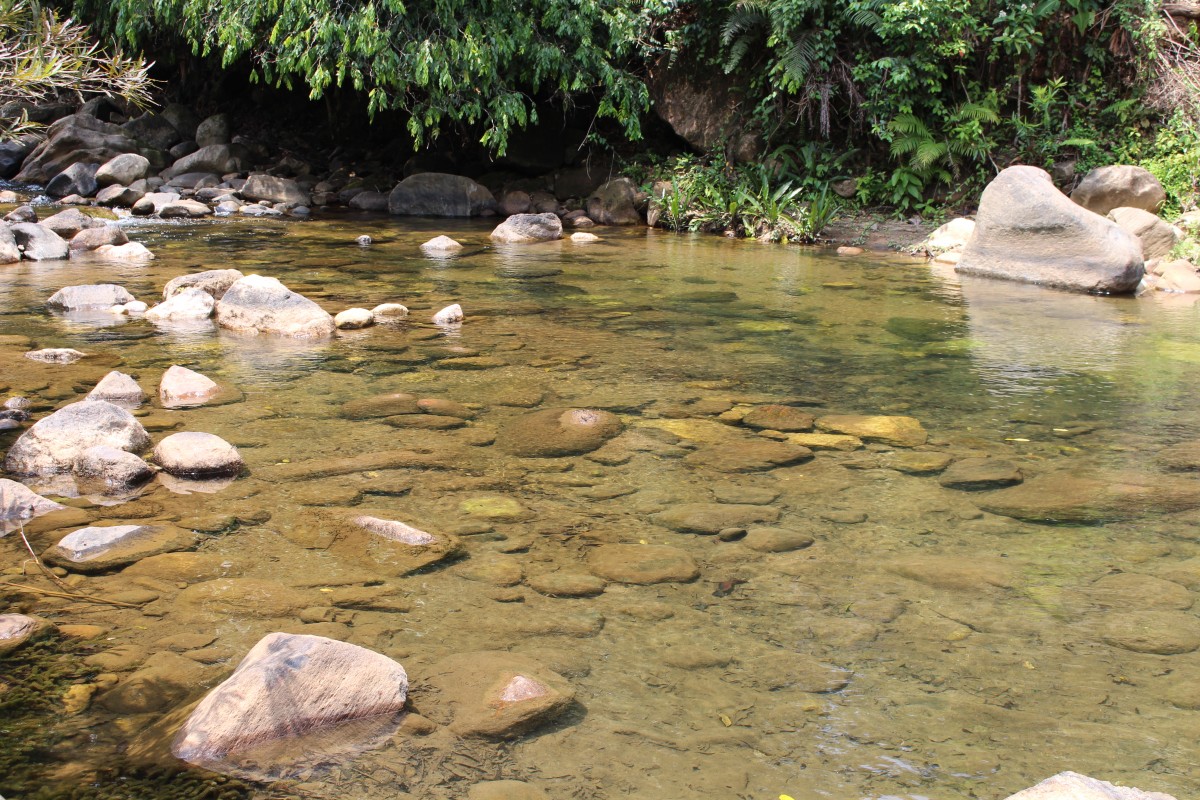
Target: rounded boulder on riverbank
x,y
54,443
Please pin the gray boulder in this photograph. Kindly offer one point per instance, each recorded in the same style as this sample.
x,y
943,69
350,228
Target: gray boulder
x,y
369,201
1121,186
94,238
182,118
79,179
214,130
256,304
287,686
39,243
9,253
188,303
154,203
527,229
213,281
55,442
95,295
197,181
614,203
119,388
24,213
110,470
1158,237
437,194
12,154
216,158
124,170
153,130
1027,230
71,221
187,209
19,503
72,140
119,196
260,186
198,455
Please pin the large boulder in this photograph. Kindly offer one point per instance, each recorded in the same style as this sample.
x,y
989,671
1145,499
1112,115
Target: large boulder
x,y
614,203
91,296
123,170
290,686
119,196
256,304
12,154
704,108
1121,186
1073,786
117,387
216,158
55,442
153,130
214,130
1027,230
78,179
9,252
198,455
437,194
260,186
213,281
72,140
1157,236
527,229
93,238
39,243
109,470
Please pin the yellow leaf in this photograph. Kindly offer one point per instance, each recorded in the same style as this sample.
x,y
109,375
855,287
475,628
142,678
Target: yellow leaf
x,y
725,720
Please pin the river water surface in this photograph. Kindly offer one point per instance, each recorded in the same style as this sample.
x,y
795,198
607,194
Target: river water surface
x,y
919,648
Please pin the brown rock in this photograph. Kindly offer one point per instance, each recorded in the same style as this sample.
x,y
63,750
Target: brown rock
x,y
642,564
897,431
778,418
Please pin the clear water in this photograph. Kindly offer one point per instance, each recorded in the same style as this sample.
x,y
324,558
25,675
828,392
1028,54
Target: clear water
x,y
975,643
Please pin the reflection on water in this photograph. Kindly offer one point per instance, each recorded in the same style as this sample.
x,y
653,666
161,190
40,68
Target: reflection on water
x,y
982,653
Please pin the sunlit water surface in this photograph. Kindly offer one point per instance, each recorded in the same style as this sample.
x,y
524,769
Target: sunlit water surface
x,y
973,643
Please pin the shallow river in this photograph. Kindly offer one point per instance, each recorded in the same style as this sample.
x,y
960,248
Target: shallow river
x,y
919,648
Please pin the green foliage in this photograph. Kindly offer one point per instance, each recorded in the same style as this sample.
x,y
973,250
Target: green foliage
x,y
42,57
1172,153
441,62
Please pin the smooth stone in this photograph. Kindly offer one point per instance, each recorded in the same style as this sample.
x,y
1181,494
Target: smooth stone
x,y
130,251
56,355
101,548
776,540
186,303
528,229
385,405
750,455
494,507
116,471
778,418
958,573
583,237
445,408
893,430
18,503
181,387
566,584
20,629
257,304
386,546
495,571
711,518
494,695
290,686
748,495
100,295
353,319
55,442
642,564
974,474
198,455
917,462
184,567
1067,497
427,422
162,682
1073,786
390,311
119,388
558,432
450,315
691,657
441,244
1133,591
214,281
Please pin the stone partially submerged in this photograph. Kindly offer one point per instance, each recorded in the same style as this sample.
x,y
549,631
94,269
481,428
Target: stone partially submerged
x,y
389,546
290,696
181,387
257,304
104,547
1029,231
19,503
54,443
198,455
1073,786
559,432
19,629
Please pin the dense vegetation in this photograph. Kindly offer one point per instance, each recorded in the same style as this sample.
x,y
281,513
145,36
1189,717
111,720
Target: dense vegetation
x,y
920,100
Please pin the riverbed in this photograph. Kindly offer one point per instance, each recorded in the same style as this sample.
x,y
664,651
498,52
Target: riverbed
x,y
920,647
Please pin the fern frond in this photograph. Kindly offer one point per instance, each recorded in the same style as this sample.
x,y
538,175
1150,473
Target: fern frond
x,y
799,57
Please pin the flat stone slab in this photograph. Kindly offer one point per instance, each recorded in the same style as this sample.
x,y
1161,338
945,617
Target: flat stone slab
x,y
778,418
104,547
975,474
897,431
567,584
1065,497
711,518
643,564
1160,632
750,455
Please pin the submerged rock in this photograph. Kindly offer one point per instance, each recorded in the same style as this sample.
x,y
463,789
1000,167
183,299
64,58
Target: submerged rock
x,y
1073,786
101,548
974,474
1066,497
19,503
1029,231
495,695
56,355
711,518
256,304
19,629
54,443
748,455
559,432
778,418
100,295
528,228
116,471
292,687
643,564
391,547
198,455
897,431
